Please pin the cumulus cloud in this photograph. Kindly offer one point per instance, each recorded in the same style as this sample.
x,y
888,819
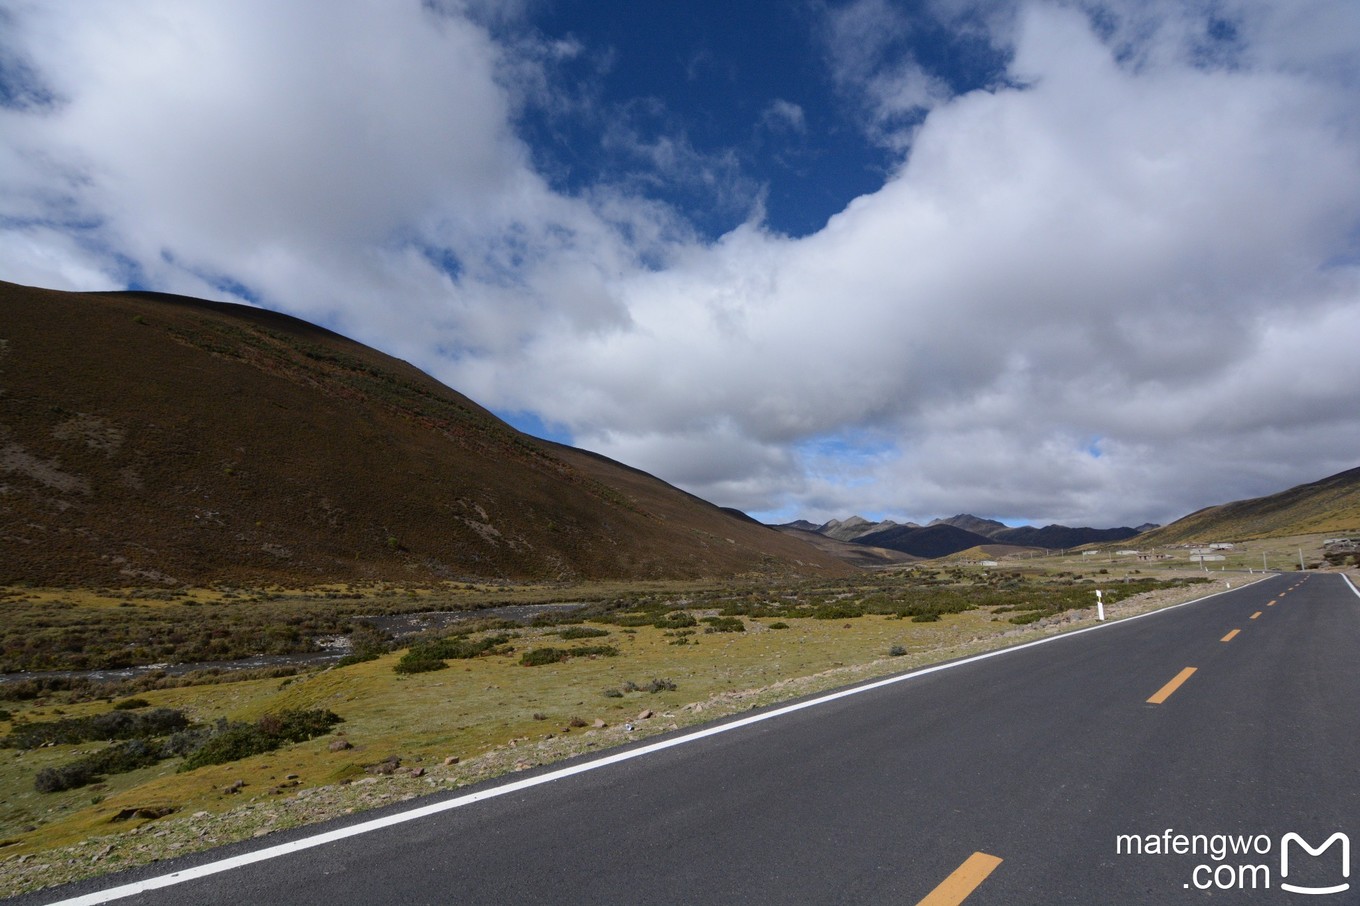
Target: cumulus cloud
x,y
1118,284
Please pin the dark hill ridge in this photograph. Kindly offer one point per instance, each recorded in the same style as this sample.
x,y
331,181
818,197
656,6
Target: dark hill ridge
x,y
943,537
1330,505
970,523
151,438
928,541
1061,536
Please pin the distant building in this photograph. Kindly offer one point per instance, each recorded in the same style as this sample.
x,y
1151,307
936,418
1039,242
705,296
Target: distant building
x,y
1221,546
1127,553
1206,558
1089,553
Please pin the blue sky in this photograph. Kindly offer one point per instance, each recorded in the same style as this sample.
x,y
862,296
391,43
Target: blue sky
x,y
746,87
1080,261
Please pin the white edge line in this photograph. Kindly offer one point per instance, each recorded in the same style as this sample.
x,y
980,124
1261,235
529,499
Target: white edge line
x,y
354,830
1357,594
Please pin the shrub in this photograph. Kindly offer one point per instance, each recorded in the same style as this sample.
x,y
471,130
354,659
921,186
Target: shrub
x,y
1031,617
236,742
724,624
418,660
116,759
660,685
926,618
896,651
841,610
779,625
583,632
540,656
233,742
109,725
676,619
455,648
427,656
131,704
367,642
593,651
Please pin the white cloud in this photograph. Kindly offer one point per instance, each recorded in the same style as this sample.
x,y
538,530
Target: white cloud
x,y
784,115
1125,290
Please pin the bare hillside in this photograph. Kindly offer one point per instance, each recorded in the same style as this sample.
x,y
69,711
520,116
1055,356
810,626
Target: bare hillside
x,y
158,439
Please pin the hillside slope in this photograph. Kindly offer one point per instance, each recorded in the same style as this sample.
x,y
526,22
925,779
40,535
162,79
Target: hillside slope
x,y
1331,505
147,438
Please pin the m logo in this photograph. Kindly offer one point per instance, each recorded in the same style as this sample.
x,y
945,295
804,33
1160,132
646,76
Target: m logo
x,y
1345,862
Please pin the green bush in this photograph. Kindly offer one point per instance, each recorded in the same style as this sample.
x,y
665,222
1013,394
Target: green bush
x,y
583,632
418,660
540,656
676,619
271,731
236,742
1031,617
926,618
593,651
724,624
367,642
841,610
427,656
116,759
896,651
109,725
779,625
131,704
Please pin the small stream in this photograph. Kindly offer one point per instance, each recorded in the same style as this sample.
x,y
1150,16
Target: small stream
x,y
398,626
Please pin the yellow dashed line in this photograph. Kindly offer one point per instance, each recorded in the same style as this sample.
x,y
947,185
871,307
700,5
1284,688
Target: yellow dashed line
x,y
963,881
1165,692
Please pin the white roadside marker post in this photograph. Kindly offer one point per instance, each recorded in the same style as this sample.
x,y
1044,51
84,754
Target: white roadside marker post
x,y
1100,607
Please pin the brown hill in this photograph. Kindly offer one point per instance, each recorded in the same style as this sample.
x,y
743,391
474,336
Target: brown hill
x,y
1326,506
152,438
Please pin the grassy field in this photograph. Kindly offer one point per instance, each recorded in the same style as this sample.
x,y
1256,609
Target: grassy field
x,y
407,734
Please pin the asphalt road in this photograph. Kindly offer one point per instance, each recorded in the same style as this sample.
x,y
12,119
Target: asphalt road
x,y
1039,759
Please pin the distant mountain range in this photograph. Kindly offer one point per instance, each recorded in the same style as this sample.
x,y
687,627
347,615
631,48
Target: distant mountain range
x,y
943,537
154,439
